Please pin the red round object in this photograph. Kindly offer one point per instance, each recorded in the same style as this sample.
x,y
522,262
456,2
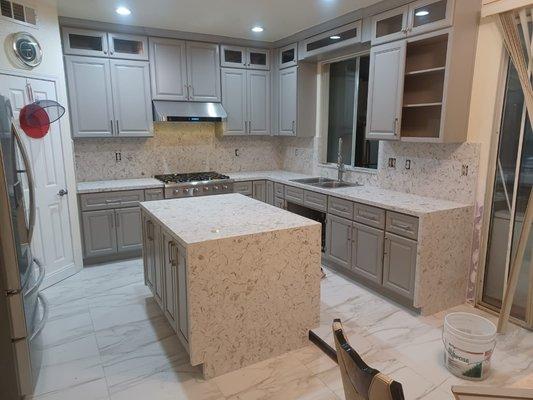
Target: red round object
x,y
34,121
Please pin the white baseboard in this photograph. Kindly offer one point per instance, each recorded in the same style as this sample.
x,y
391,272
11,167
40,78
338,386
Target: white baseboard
x,y
59,275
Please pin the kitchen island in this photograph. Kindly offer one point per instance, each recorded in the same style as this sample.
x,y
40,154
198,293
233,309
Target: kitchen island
x,y
238,279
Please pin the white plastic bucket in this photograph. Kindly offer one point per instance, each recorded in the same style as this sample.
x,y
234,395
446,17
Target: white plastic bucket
x,y
469,341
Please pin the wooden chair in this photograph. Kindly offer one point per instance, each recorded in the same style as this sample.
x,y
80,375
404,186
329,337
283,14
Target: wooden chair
x,y
360,381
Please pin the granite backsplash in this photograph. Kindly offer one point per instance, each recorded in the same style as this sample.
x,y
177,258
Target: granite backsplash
x,y
436,170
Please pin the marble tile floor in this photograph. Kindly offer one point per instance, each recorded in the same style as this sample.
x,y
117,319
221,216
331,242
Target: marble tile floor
x,y
107,340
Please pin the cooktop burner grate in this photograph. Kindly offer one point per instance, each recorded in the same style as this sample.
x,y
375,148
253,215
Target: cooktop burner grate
x,y
191,177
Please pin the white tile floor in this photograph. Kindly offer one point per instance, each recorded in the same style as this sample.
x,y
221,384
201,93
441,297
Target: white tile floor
x,y
106,339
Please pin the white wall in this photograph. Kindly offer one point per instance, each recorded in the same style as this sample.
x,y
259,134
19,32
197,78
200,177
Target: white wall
x,y
47,32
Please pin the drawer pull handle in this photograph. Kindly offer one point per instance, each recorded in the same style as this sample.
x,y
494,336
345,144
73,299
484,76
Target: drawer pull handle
x,y
367,215
403,226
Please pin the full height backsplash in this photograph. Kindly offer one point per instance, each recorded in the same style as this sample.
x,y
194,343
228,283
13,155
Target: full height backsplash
x,y
436,169
175,147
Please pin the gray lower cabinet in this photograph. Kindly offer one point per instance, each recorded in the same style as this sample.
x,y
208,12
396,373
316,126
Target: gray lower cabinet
x,y
399,264
259,190
183,316
280,202
367,252
170,302
99,233
153,194
159,275
338,240
148,252
128,225
270,192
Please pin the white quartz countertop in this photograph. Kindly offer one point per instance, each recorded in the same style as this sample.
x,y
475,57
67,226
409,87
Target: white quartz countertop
x,y
118,184
200,219
391,200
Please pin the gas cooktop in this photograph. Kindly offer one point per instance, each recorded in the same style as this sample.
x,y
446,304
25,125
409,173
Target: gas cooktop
x,y
191,177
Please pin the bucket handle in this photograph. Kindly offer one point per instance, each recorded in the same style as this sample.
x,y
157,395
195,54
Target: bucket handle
x,y
485,359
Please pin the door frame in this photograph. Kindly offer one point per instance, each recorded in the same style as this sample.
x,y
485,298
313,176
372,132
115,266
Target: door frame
x,y
70,175
489,192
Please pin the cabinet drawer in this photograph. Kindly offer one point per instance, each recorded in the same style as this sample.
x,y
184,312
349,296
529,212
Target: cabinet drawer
x,y
294,195
403,225
342,208
245,188
315,200
369,215
101,201
279,190
279,202
153,194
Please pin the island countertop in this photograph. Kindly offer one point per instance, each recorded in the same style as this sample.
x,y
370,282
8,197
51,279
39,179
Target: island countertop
x,y
200,219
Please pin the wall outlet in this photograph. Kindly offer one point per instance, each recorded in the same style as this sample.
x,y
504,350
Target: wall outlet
x,y
407,164
118,156
464,170
236,152
392,162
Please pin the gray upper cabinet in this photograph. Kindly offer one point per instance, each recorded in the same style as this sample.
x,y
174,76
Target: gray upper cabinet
x,y
390,25
168,69
399,265
234,101
339,237
288,56
288,86
85,42
385,96
242,57
258,87
203,71
128,225
367,252
132,105
99,233
131,47
91,100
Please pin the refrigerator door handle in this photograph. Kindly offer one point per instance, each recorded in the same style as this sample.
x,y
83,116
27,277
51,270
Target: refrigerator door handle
x,y
29,174
39,327
39,280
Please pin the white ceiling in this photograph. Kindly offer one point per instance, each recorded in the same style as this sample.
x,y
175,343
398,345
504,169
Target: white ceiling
x,y
234,18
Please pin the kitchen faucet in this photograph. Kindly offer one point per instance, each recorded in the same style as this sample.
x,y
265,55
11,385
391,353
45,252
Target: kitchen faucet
x,y
341,169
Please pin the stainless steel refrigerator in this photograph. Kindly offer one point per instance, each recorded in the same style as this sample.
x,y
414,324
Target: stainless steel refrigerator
x,y
23,309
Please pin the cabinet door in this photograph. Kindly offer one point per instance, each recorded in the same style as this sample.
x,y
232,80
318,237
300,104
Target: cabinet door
x,y
234,101
233,56
183,313
131,47
170,263
258,59
288,56
132,105
159,272
259,190
89,92
390,25
168,69
367,252
128,223
148,253
85,42
203,71
429,15
258,89
270,192
385,96
99,233
338,240
288,101
399,265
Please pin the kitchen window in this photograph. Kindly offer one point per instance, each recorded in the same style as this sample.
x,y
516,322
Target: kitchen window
x,y
346,82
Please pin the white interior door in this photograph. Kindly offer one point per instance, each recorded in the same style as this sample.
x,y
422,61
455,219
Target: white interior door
x,y
52,239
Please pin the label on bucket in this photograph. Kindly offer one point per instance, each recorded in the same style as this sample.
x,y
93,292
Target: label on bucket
x,y
466,364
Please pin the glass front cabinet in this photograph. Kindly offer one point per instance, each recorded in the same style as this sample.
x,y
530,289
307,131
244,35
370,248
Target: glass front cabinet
x,y
242,57
412,19
288,56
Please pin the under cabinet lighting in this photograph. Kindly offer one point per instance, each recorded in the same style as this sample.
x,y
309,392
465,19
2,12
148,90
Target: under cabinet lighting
x,y
257,29
335,37
422,13
123,11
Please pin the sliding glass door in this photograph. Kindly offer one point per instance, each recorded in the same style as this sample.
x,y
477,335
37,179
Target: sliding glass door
x,y
512,184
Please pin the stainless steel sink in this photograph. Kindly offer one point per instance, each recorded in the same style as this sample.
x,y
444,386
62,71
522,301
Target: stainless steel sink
x,y
325,182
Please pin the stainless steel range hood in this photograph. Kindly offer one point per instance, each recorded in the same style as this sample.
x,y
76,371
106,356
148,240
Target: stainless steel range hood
x,y
172,111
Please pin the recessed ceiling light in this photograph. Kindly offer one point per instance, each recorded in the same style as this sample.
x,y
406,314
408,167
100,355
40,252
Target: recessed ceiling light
x,y
123,11
422,13
335,37
257,29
